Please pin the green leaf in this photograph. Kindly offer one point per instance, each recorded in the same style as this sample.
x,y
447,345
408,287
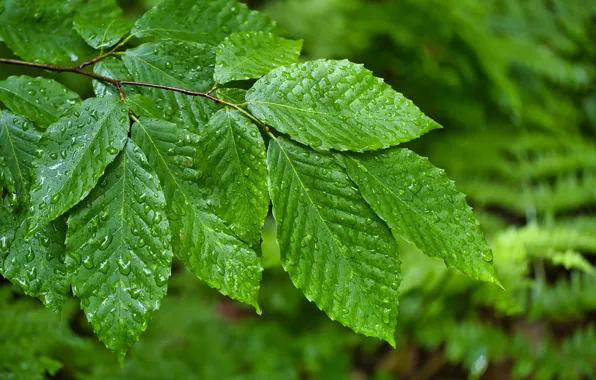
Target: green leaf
x,y
336,105
112,68
201,21
101,23
572,260
41,31
18,140
177,64
202,241
72,155
121,272
7,182
250,55
235,173
422,205
40,100
334,247
9,223
231,95
145,106
36,264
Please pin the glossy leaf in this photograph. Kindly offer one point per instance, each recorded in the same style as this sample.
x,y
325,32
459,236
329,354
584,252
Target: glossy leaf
x,y
73,154
112,68
18,140
201,240
336,105
177,64
232,95
10,220
40,30
40,100
7,182
422,205
333,245
235,173
143,105
121,272
201,21
101,23
36,264
250,55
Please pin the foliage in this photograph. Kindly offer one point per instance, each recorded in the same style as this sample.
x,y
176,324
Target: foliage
x,y
156,164
512,83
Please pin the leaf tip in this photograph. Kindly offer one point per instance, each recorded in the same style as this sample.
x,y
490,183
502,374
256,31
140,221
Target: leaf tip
x,y
498,283
121,355
391,340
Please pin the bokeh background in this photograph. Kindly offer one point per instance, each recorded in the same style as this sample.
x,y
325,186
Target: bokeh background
x,y
512,82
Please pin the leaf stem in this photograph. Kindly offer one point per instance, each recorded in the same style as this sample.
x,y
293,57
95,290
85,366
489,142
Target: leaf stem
x,y
105,55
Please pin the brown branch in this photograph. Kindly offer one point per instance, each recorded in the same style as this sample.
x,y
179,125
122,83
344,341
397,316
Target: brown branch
x,y
58,69
115,82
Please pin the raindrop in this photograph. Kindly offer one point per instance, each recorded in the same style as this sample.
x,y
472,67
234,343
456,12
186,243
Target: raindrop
x,y
30,255
88,262
104,267
105,242
124,266
386,314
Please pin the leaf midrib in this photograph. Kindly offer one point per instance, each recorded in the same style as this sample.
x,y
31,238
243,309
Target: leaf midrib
x,y
390,191
237,154
165,163
314,206
354,115
100,123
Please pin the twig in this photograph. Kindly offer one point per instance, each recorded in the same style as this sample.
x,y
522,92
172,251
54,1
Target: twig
x,y
116,82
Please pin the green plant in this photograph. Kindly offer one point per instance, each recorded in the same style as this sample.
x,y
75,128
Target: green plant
x,y
513,84
173,156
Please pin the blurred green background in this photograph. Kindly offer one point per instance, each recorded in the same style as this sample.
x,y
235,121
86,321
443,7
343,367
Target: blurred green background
x,y
512,82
